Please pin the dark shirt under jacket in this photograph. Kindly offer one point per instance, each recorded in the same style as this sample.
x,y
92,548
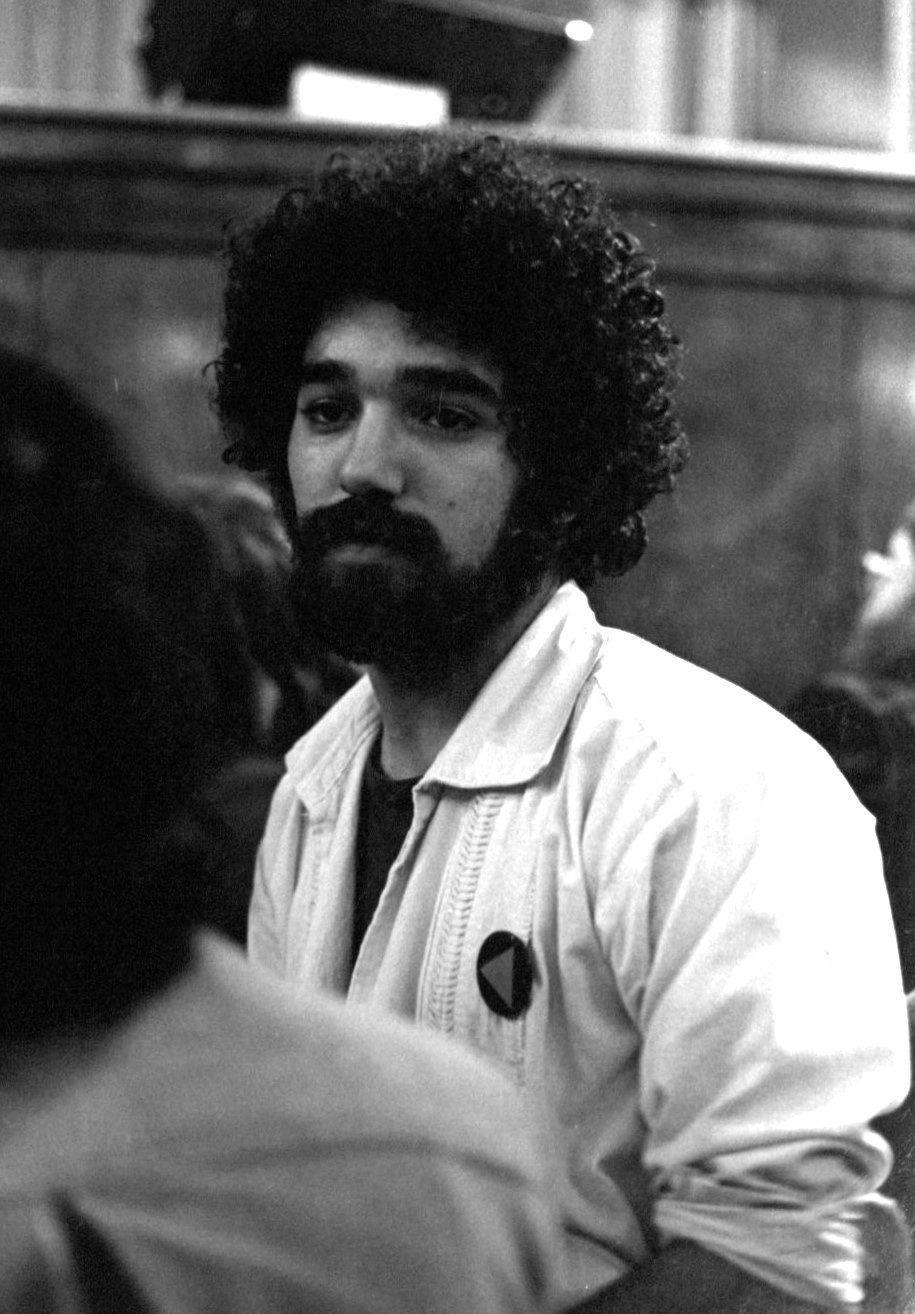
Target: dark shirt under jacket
x,y
385,813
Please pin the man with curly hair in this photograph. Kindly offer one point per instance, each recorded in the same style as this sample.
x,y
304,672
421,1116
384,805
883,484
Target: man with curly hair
x,y
640,891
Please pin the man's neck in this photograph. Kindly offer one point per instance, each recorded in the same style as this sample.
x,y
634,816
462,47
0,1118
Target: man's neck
x,y
417,721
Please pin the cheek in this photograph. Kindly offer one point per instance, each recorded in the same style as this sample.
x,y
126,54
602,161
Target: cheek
x,y
486,503
310,474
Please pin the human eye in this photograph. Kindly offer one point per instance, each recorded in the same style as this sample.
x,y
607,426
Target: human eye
x,y
326,414
446,416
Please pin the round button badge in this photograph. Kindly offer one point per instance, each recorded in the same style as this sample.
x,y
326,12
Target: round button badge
x,y
505,974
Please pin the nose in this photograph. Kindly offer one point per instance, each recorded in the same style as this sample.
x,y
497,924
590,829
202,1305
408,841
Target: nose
x,y
372,462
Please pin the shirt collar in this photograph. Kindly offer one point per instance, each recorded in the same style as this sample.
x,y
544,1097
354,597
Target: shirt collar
x,y
510,731
321,758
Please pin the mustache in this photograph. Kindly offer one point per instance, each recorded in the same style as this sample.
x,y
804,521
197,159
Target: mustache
x,y
365,520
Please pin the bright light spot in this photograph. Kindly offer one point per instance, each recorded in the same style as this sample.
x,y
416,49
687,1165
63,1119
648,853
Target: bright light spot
x,y
578,30
324,93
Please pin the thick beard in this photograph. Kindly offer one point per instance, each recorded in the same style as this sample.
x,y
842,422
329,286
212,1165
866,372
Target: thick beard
x,y
413,614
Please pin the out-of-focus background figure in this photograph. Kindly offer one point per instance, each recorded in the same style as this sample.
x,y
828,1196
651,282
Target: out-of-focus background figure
x,y
177,1132
49,429
294,681
289,682
863,713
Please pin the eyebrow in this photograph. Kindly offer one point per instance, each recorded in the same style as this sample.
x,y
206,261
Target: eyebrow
x,y
434,378
465,382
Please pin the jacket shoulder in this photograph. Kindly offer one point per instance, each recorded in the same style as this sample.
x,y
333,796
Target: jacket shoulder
x,y
711,731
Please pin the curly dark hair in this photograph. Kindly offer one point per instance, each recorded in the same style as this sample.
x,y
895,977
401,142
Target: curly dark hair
x,y
473,238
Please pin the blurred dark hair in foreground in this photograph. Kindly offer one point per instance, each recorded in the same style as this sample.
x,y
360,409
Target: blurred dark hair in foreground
x,y
117,654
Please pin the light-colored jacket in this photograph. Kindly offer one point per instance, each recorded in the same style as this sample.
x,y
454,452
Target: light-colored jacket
x,y
717,1009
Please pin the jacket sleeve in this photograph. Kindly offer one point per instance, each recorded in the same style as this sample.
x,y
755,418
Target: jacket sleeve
x,y
770,1003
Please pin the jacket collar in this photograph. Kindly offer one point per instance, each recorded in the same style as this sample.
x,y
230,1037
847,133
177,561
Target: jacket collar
x,y
508,734
511,729
318,761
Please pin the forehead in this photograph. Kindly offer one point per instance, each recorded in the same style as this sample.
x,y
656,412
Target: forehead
x,y
378,337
